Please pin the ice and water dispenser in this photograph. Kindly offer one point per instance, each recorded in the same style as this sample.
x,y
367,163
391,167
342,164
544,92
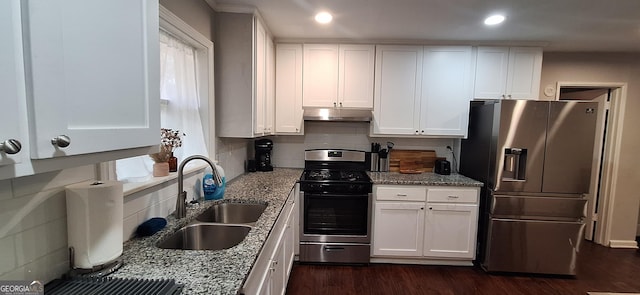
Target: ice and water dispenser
x,y
515,164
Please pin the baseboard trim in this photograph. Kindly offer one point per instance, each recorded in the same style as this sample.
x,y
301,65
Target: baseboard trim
x,y
623,244
422,261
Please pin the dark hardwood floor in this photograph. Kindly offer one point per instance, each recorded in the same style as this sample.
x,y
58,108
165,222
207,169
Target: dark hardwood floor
x,y
599,269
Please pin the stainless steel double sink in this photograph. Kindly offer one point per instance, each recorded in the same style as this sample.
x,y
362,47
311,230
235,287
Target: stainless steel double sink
x,y
221,226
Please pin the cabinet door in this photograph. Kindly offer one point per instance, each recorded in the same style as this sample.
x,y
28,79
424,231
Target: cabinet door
x,y
270,99
260,76
13,110
355,76
398,229
92,78
320,75
525,68
446,90
491,72
398,78
450,230
289,88
289,244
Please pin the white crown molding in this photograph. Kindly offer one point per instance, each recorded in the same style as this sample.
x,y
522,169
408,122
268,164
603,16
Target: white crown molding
x,y
212,3
233,8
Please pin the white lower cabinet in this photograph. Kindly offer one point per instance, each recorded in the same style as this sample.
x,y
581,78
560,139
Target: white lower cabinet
x,y
450,230
270,273
420,222
398,228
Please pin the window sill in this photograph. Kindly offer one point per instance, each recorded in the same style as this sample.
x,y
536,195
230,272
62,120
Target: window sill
x,y
130,188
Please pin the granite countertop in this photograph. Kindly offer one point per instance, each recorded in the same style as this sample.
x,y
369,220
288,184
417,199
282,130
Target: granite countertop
x,y
208,271
426,178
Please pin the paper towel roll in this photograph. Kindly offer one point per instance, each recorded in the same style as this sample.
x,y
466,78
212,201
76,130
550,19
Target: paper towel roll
x,y
94,222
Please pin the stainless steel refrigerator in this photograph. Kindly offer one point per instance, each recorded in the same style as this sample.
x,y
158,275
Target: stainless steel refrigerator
x,y
535,159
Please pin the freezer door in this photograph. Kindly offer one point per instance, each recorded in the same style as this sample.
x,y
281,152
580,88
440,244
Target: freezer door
x,y
533,246
569,150
520,146
539,207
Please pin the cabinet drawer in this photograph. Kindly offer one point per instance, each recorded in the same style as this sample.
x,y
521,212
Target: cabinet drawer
x,y
452,195
400,193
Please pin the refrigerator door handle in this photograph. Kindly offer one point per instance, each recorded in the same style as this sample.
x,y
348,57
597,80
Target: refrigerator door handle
x,y
537,221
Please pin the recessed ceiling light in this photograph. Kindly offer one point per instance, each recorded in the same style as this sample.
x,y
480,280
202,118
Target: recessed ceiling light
x,y
324,17
494,19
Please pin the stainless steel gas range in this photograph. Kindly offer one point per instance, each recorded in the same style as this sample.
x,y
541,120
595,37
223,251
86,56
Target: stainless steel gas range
x,y
335,207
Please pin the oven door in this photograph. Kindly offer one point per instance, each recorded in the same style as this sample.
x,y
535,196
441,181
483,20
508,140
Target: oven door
x,y
335,218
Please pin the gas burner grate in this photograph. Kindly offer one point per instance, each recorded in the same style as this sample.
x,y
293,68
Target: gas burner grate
x,y
108,286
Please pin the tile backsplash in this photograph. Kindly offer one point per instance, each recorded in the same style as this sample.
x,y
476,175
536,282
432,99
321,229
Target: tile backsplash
x,y
33,224
288,151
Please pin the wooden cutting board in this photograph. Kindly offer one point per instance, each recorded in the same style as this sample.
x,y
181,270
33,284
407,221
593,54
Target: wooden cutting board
x,y
412,160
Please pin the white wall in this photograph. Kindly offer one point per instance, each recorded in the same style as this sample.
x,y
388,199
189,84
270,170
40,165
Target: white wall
x,y
600,68
288,151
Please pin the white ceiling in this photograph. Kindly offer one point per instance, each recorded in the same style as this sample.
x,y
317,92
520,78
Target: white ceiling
x,y
558,25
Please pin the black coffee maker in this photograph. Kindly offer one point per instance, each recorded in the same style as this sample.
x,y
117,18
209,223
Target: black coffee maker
x,y
263,149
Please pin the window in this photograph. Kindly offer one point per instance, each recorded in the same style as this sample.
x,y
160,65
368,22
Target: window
x,y
186,81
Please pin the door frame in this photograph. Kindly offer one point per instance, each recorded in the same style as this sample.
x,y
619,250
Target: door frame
x,y
612,147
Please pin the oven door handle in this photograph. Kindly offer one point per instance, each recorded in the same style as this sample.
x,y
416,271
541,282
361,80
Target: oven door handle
x,y
333,248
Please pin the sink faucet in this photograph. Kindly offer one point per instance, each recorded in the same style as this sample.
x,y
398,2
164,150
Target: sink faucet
x,y
181,202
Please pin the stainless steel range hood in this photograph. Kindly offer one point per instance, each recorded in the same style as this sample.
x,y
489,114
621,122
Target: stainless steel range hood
x,y
335,114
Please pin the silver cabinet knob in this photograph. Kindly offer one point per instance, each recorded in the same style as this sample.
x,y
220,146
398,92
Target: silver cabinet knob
x,y
61,141
10,146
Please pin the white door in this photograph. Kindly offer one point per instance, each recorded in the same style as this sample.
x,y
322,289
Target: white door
x,y
288,88
491,72
398,78
94,78
13,134
525,68
446,90
398,229
320,75
355,77
261,78
450,230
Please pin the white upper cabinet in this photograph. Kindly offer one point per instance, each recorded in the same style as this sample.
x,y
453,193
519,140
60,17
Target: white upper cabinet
x,y
13,134
398,81
423,91
338,75
270,99
68,88
261,79
92,79
320,75
355,76
288,89
446,90
508,73
244,98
